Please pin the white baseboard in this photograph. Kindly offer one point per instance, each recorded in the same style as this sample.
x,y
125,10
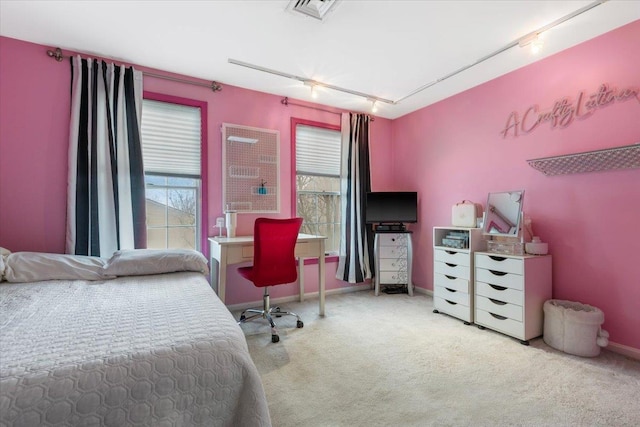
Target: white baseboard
x,y
423,291
624,350
295,298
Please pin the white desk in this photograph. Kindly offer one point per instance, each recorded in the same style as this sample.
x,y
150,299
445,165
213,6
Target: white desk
x,y
233,250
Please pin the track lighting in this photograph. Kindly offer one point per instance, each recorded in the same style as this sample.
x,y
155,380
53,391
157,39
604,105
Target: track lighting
x,y
532,40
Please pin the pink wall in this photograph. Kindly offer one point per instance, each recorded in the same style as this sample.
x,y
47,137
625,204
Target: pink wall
x,y
34,116
454,150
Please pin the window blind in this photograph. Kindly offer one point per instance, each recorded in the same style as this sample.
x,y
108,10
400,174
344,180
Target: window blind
x,y
171,137
317,151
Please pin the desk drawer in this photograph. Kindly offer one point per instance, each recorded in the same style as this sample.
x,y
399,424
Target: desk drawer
x,y
452,257
460,271
500,323
500,293
454,309
492,277
393,251
452,295
451,282
393,239
500,263
393,277
501,308
390,264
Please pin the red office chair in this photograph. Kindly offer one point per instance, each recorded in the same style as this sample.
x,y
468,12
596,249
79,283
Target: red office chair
x,y
274,263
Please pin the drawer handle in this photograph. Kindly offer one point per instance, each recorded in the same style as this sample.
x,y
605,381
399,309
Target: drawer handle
x,y
451,252
449,277
497,273
497,258
497,316
497,302
451,290
498,288
451,265
451,302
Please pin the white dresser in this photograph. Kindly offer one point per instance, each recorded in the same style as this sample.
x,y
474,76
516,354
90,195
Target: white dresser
x,y
453,270
393,258
510,291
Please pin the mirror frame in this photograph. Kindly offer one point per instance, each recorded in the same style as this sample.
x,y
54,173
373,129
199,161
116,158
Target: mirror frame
x,y
515,225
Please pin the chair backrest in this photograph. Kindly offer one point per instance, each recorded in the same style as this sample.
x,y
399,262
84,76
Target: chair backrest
x,y
274,261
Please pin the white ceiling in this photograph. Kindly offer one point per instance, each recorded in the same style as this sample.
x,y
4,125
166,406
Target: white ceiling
x,y
383,48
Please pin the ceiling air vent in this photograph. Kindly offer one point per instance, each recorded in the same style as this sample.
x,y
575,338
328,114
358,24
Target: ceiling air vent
x,y
317,9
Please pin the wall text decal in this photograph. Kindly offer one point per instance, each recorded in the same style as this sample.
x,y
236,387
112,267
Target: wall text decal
x,y
564,112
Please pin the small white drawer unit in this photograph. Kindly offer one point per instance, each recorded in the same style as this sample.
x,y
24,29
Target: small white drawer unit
x,y
453,271
510,291
393,257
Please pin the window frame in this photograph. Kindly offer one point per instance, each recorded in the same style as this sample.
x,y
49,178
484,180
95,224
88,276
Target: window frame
x,y
294,188
204,159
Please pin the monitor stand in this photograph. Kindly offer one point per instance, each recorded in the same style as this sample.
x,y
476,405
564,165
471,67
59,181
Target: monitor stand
x,y
391,227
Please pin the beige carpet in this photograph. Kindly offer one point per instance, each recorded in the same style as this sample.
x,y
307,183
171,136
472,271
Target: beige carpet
x,y
390,361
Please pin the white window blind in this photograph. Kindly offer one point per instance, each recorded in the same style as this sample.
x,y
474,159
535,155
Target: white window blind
x,y
171,138
317,151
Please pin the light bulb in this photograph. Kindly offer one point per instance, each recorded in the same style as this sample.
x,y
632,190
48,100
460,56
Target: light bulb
x,y
374,106
536,45
314,92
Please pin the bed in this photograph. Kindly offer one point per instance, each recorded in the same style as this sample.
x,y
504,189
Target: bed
x,y
139,339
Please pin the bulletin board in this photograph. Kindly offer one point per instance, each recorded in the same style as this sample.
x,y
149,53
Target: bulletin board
x,y
251,165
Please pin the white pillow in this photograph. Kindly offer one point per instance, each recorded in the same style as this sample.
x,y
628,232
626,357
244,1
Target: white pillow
x,y
38,266
3,254
138,262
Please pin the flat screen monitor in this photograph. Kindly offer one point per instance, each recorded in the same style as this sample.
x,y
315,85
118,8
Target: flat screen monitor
x,y
392,207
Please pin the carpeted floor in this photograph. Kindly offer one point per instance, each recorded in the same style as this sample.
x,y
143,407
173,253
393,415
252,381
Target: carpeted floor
x,y
390,361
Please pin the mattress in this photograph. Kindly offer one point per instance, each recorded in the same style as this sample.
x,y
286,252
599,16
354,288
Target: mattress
x,y
157,350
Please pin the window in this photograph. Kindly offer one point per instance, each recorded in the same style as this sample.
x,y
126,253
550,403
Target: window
x,y
317,148
171,149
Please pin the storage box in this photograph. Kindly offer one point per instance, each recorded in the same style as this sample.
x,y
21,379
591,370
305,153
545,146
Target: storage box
x,y
465,214
508,248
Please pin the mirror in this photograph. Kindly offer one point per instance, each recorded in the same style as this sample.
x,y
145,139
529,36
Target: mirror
x,y
503,213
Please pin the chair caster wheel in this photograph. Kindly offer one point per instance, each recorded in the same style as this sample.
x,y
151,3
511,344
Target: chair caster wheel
x,y
436,311
243,318
275,338
299,324
276,311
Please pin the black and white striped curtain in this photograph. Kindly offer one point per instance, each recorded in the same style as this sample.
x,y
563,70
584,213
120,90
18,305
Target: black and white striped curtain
x,y
105,196
356,243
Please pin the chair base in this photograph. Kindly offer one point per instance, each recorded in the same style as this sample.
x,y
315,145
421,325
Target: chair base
x,y
268,313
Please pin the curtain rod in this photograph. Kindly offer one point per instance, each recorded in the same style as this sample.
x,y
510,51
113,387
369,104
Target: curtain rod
x,y
285,101
214,86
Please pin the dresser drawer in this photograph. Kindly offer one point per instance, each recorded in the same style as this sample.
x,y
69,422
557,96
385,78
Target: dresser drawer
x,y
451,282
393,277
393,239
393,264
460,271
512,311
393,251
452,295
509,280
500,323
452,257
500,263
500,293
450,307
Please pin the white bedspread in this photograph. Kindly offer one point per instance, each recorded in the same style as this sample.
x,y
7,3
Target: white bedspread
x,y
157,350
